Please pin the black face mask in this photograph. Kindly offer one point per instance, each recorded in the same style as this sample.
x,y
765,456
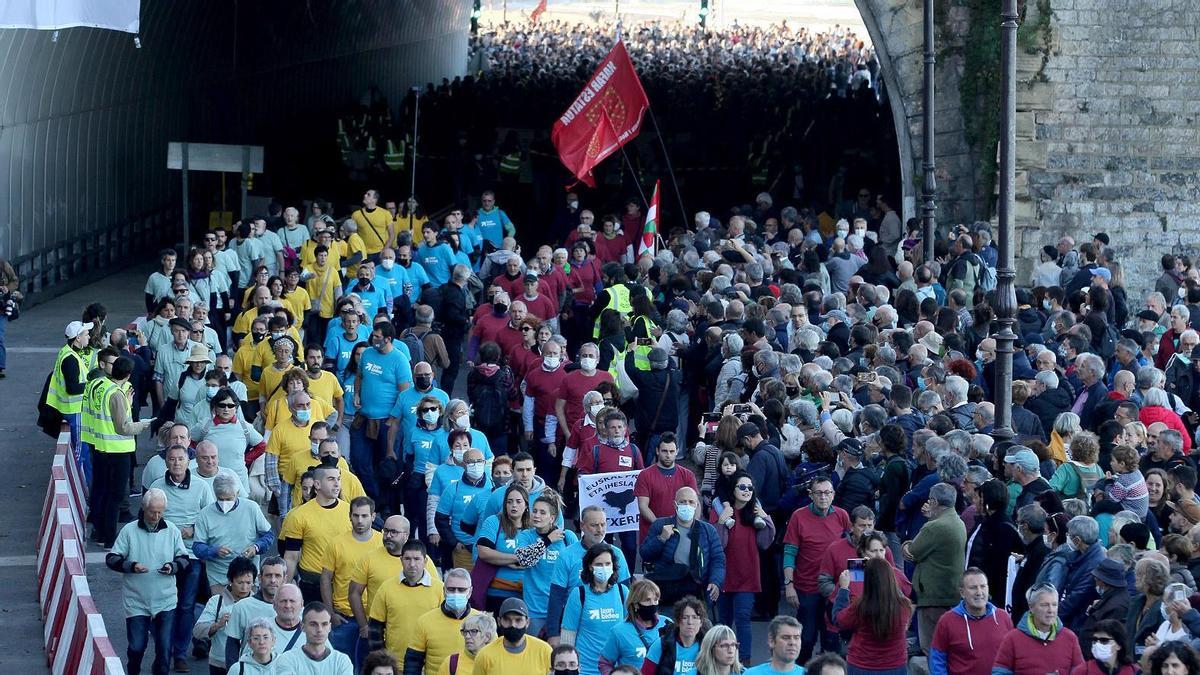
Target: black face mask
x,y
258,337
500,308
512,633
647,612
422,382
566,671
793,392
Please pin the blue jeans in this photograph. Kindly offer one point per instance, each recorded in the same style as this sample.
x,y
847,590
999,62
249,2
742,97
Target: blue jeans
x,y
82,453
365,454
138,630
188,583
734,609
3,351
811,611
345,639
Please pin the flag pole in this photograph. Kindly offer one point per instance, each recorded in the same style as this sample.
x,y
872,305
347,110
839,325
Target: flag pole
x,y
671,170
636,182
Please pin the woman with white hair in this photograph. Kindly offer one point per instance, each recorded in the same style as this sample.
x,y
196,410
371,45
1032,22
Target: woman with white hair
x,y
260,637
478,631
731,380
1066,426
229,527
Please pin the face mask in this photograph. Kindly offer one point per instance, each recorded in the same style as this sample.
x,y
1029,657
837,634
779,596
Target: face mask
x,y
501,481
225,506
458,454
1102,652
647,612
512,634
474,471
303,415
551,362
573,204
566,671
211,391
258,337
685,512
792,392
387,264
500,308
601,573
276,335
920,383
843,233
1071,544
1049,540
463,421
595,410
314,448
1099,591
588,363
1046,304
456,602
430,417
1162,609
423,382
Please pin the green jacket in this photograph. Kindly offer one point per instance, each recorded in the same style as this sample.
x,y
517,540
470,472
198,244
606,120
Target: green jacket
x,y
938,552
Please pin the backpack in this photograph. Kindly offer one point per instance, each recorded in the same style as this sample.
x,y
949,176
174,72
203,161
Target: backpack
x,y
416,346
489,403
1108,341
987,277
1087,479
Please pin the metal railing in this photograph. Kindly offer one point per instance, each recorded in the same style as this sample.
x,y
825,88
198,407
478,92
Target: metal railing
x,y
71,263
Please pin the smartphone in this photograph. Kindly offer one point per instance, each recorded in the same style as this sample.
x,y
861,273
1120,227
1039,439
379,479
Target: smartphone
x,y
644,342
855,565
866,377
742,409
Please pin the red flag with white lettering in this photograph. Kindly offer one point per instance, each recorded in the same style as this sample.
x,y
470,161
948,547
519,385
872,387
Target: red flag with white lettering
x,y
612,97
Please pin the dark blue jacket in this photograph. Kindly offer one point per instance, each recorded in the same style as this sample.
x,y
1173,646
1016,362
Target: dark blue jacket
x,y
1079,588
708,567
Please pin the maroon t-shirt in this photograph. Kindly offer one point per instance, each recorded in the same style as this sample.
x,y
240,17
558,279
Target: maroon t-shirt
x,y
488,327
543,307
660,485
543,386
510,341
574,386
610,250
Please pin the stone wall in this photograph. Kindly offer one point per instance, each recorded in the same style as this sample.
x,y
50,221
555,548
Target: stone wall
x,y
1108,134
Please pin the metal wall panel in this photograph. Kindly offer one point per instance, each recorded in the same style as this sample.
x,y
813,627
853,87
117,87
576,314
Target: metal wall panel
x,y
85,120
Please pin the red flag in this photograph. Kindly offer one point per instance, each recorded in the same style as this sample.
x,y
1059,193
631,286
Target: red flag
x,y
650,230
613,97
537,11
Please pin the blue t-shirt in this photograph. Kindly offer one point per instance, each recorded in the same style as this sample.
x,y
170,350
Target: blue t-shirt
x,y
490,530
627,643
382,376
566,573
418,277
424,447
456,499
592,622
444,476
405,409
461,257
467,241
685,657
374,298
536,590
338,347
392,279
495,504
437,261
766,669
491,225
479,441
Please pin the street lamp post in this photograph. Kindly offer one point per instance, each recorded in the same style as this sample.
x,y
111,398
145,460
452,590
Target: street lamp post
x,y
929,183
1006,299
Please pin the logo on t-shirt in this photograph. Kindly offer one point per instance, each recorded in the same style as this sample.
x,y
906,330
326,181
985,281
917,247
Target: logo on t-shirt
x,y
603,614
372,368
625,461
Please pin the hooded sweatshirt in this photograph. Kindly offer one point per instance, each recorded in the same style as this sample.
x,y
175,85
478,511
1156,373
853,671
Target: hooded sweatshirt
x,y
965,644
1023,652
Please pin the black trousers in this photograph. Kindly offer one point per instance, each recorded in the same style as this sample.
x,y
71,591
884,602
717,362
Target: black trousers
x,y
110,480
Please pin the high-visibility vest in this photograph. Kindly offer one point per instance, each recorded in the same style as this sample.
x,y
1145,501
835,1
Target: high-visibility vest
x,y
618,299
57,396
93,398
641,353
393,157
511,163
371,147
106,438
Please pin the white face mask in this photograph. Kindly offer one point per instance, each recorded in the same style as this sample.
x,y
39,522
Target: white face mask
x,y
595,410
551,362
842,234
458,454
588,362
1102,652
387,263
225,506
463,421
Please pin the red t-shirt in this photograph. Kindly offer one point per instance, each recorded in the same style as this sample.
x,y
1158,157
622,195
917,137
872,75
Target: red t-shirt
x,y
514,287
522,361
812,534
543,307
510,340
488,327
610,250
583,436
833,563
611,459
741,554
556,281
543,386
574,386
584,276
660,485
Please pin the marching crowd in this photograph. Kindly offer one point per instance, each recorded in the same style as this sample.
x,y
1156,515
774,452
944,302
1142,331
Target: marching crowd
x,y
369,434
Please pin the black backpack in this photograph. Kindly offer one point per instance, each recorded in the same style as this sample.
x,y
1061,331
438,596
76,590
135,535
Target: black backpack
x,y
416,346
489,404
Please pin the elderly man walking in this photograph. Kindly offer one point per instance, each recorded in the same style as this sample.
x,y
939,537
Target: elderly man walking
x,y
937,552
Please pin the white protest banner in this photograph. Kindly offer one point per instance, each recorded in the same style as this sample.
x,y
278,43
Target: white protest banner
x,y
612,492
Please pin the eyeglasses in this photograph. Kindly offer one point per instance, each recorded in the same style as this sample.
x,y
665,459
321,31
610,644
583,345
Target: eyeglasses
x,y
608,401
425,410
470,632
822,493
746,488
526,329
388,532
227,406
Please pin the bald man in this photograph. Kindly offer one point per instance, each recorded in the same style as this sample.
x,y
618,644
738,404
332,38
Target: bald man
x,y
690,569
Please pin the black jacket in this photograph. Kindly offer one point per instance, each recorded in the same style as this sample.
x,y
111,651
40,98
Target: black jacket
x,y
1035,554
1027,425
657,409
1097,394
1048,405
993,540
892,485
857,487
1114,604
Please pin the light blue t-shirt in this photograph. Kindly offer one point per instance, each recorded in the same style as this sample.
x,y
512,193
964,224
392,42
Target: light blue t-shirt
x,y
437,261
425,448
149,593
592,622
443,477
490,530
405,409
495,504
382,376
374,298
492,225
685,657
536,590
479,441
416,275
338,346
185,501
566,573
456,499
627,643
766,669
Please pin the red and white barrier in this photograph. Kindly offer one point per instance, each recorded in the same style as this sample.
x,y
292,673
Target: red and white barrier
x,y
74,635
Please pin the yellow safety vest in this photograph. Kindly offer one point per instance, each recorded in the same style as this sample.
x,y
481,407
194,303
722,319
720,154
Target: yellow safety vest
x,y
511,163
618,299
57,396
641,353
93,399
106,438
393,157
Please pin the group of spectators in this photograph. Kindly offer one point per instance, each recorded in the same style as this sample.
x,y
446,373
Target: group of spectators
x,y
368,429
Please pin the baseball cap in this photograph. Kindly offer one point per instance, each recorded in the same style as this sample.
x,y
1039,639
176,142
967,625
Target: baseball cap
x,y
851,447
1022,457
747,430
514,606
77,328
531,276
657,357
1103,273
838,314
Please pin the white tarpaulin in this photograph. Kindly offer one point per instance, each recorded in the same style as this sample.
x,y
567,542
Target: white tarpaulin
x,y
119,15
612,492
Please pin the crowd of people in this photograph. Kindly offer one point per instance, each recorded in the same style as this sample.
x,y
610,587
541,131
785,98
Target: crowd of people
x,y
369,431
779,98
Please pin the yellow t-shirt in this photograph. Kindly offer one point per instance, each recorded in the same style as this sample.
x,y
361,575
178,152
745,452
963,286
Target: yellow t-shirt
x,y
277,410
494,659
326,387
322,287
466,665
308,254
351,245
288,439
438,636
373,230
241,325
401,225
271,377
298,464
398,606
243,365
377,567
297,302
315,526
344,554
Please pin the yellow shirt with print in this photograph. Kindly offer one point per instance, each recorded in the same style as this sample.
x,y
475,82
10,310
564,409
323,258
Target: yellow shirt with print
x,y
315,526
438,636
344,554
352,487
398,606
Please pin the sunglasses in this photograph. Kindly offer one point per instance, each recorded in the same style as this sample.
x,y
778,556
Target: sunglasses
x,y
425,410
227,406
746,488
526,329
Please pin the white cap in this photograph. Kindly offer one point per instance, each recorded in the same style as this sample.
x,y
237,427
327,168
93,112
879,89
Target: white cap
x,y
77,328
